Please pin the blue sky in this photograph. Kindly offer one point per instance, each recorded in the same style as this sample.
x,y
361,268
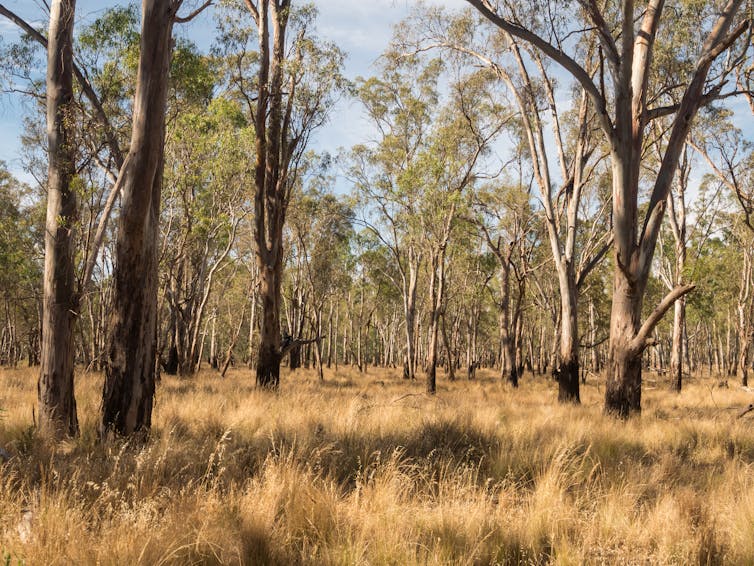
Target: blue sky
x,y
361,28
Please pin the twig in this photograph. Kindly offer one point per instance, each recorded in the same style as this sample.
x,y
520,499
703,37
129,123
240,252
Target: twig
x,y
748,409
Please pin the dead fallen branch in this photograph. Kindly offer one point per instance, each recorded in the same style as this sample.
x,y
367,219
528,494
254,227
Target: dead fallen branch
x,y
746,410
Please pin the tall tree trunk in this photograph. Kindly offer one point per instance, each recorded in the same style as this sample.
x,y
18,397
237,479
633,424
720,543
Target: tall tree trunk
x,y
329,335
335,337
129,386
676,355
318,343
623,388
57,404
409,305
568,372
509,368
268,360
593,338
273,153
448,350
212,360
434,318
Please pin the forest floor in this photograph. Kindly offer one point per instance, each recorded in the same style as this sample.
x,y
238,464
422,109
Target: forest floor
x,y
367,469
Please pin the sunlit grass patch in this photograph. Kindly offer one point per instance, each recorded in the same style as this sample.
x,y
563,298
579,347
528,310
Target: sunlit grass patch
x,y
367,469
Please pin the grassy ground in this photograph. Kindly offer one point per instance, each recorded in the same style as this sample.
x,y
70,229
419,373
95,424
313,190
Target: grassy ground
x,y
369,470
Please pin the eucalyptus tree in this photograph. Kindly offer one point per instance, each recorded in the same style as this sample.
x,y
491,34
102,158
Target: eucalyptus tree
x,y
288,81
203,208
57,404
506,222
322,237
453,158
128,390
570,144
387,172
627,92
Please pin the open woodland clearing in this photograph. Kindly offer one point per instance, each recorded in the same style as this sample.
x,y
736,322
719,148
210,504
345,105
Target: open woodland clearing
x,y
528,189
368,469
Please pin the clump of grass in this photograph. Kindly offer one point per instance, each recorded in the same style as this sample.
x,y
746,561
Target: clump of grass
x,y
366,469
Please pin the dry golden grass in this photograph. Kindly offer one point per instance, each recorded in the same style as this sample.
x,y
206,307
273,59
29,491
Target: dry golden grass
x,y
366,469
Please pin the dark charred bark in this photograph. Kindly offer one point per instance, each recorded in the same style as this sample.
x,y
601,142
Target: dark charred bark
x,y
568,382
623,393
170,366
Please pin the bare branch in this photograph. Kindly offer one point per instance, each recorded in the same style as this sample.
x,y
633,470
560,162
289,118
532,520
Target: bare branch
x,y
556,54
640,341
192,15
606,37
254,11
593,262
86,87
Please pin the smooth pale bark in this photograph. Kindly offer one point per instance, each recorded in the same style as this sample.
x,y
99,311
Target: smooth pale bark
x,y
676,354
410,286
677,217
509,367
743,309
57,404
593,338
129,386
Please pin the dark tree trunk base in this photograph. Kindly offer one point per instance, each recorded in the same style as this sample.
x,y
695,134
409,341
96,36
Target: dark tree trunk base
x,y
431,381
512,378
623,391
568,383
170,366
294,358
121,413
268,369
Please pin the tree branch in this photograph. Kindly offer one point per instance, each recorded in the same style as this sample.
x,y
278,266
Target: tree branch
x,y
606,37
640,341
593,262
717,41
556,54
182,20
296,343
86,87
254,11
